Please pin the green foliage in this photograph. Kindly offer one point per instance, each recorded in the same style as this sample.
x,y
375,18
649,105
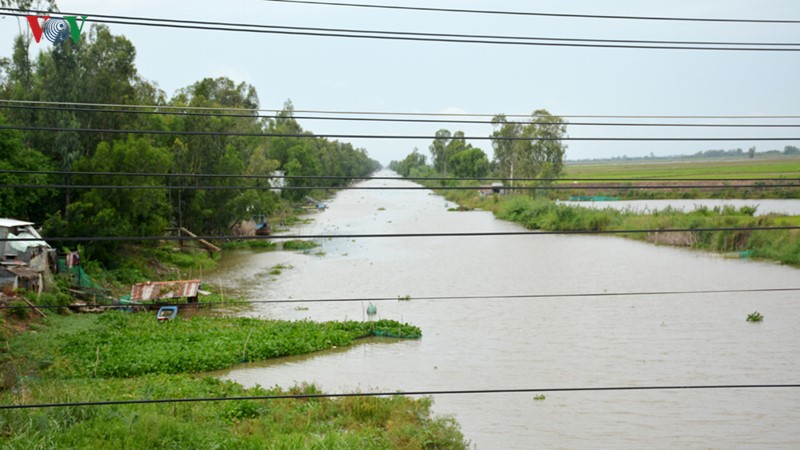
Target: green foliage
x,y
101,70
22,203
470,163
755,317
20,309
255,244
783,167
779,245
529,150
299,244
390,328
354,422
278,269
414,160
125,345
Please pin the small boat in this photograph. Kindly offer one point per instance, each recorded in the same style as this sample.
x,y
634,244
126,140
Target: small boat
x,y
263,228
166,313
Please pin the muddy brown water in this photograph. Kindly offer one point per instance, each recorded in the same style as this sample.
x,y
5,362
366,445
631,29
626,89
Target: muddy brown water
x,y
484,343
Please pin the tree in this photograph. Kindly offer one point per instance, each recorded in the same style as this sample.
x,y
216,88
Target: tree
x,y
24,204
413,160
438,150
751,152
532,149
470,163
116,212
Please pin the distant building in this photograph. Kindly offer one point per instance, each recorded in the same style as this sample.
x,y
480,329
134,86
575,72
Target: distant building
x,y
25,257
278,182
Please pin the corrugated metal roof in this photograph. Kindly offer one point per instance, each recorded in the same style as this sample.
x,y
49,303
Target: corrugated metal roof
x,y
164,289
24,272
13,223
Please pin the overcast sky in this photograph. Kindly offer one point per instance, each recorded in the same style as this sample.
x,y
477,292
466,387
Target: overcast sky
x,y
320,73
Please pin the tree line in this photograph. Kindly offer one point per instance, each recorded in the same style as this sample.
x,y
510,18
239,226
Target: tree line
x,y
101,70
531,148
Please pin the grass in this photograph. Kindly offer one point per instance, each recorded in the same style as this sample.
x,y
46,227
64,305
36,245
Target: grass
x,y
788,167
123,345
278,269
394,422
117,356
780,245
755,317
140,263
299,244
249,244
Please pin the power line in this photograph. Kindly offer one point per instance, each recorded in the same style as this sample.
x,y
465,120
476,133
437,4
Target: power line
x,y
404,393
369,178
401,235
408,36
392,113
392,120
391,136
394,188
433,298
538,14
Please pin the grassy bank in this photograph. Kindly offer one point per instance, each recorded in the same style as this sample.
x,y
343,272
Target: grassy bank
x,y
344,423
120,356
782,246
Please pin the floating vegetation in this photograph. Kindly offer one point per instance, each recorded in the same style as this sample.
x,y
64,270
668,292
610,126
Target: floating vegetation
x,y
381,209
123,345
755,317
258,244
539,397
278,269
403,298
299,244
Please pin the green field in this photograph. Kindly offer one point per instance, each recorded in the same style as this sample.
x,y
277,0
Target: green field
x,y
782,167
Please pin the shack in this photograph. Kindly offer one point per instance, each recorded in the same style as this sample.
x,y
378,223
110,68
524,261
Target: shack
x,y
24,256
495,188
163,290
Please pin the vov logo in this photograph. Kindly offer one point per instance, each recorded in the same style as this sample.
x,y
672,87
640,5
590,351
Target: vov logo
x,y
56,29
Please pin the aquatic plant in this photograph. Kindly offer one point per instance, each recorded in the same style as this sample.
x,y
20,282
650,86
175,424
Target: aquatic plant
x,y
299,244
755,317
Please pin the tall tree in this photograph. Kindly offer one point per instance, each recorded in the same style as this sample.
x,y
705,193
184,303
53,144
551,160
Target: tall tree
x,y
534,149
438,150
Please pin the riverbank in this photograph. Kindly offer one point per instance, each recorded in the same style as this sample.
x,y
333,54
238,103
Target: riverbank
x,y
119,356
781,246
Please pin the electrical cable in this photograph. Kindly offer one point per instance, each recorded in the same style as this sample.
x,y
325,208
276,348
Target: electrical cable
x,y
425,298
369,178
398,393
398,235
402,36
396,188
394,120
389,113
392,137
536,14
